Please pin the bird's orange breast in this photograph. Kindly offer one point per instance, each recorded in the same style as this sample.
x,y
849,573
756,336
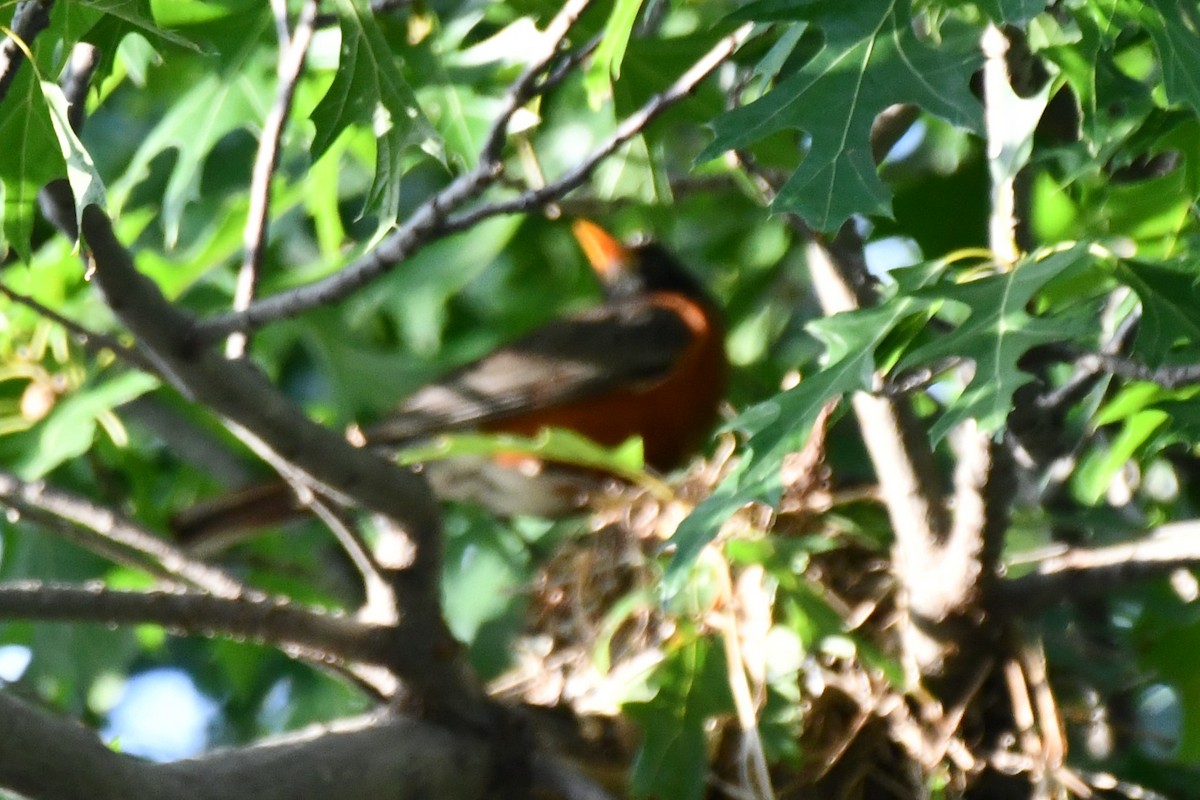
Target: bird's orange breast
x,y
672,413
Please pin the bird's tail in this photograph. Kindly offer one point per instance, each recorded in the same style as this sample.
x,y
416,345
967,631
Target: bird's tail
x,y
214,524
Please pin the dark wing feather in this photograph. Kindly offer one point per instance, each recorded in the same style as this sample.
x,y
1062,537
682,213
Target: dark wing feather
x,y
562,362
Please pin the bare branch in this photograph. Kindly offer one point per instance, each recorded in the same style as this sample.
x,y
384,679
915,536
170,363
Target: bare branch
x,y
381,755
30,18
292,51
425,224
308,633
421,649
630,127
1081,572
1174,376
90,340
279,11
116,537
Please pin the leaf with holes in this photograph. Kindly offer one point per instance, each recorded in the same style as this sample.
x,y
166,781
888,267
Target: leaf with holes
x,y
782,425
369,89
1170,299
997,333
835,97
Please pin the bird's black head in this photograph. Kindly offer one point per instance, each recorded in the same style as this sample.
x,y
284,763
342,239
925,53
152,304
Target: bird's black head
x,y
630,270
652,268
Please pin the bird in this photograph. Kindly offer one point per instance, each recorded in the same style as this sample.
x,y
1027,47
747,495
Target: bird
x,y
649,361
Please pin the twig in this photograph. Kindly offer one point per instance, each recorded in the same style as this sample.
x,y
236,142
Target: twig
x,y
380,598
31,18
308,633
279,11
1168,377
424,224
292,51
420,648
112,535
90,340
1079,573
631,126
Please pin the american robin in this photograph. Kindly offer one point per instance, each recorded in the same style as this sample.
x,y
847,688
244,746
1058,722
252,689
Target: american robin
x,y
649,362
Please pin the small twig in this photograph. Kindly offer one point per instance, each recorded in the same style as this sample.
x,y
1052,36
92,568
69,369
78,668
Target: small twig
x,y
279,11
93,342
379,595
631,126
918,378
110,534
423,225
308,633
1168,377
31,18
292,51
1079,573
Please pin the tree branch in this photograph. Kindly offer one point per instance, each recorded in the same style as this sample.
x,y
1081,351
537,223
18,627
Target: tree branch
x,y
30,18
377,756
308,633
422,650
92,341
116,537
1081,572
292,50
630,127
423,225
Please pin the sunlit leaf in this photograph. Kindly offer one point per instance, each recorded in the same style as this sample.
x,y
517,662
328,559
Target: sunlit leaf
x,y
368,89
692,687
871,59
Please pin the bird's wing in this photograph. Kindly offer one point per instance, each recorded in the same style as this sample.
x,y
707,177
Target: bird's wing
x,y
564,361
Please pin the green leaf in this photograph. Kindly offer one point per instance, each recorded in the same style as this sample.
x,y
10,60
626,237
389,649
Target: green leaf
x,y
997,333
1086,57
28,160
552,444
368,89
1012,12
1170,302
692,688
138,14
69,429
1173,30
606,62
1094,476
86,185
212,107
871,59
782,424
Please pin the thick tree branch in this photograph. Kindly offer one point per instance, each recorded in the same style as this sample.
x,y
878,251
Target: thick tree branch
x,y
309,633
378,756
1078,573
423,652
30,18
423,225
114,536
